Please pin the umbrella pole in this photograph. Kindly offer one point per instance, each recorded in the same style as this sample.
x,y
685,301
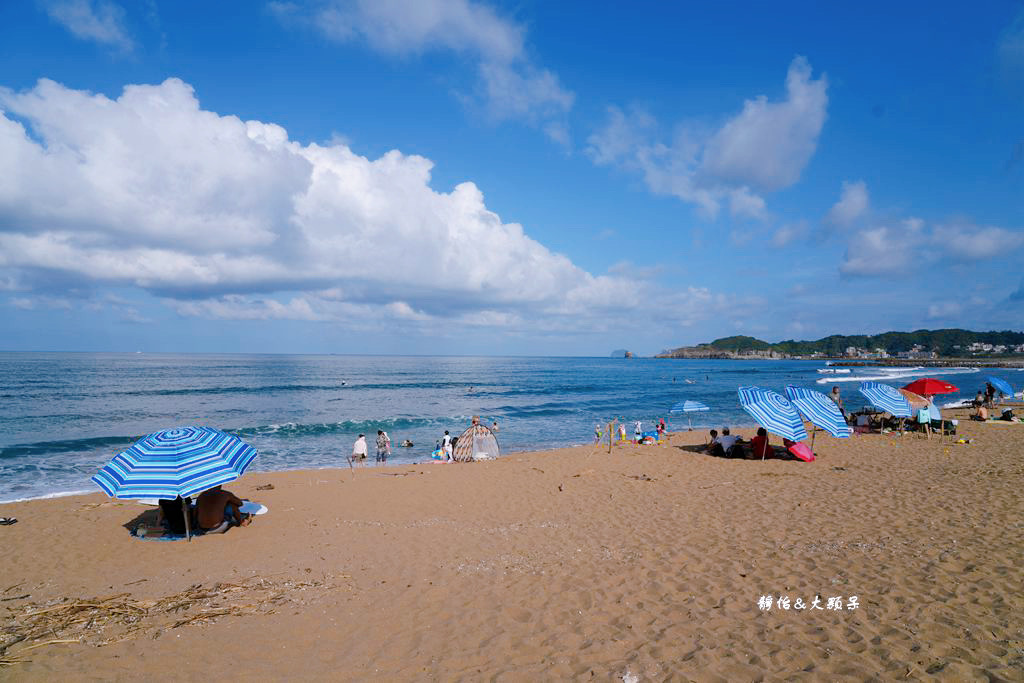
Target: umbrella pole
x,y
188,518
689,422
814,433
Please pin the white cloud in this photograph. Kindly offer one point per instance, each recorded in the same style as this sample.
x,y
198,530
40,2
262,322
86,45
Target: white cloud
x,y
910,247
400,28
764,148
97,20
768,144
743,203
790,232
236,307
511,86
977,243
534,95
945,309
629,140
853,203
33,303
216,213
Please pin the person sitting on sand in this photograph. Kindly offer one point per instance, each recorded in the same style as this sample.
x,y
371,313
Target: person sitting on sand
x,y
217,510
726,442
759,446
981,414
710,448
171,514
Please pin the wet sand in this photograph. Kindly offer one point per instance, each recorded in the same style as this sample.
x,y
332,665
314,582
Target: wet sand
x,y
644,564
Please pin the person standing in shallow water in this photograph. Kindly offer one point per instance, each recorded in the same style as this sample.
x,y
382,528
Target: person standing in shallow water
x,y
358,450
446,447
383,446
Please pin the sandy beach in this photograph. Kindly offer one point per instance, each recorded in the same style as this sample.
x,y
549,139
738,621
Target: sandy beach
x,y
649,563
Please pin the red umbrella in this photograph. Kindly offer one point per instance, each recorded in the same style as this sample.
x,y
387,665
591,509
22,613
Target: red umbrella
x,y
929,386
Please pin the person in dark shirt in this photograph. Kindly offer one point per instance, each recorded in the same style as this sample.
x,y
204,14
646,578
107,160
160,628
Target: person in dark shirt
x,y
172,514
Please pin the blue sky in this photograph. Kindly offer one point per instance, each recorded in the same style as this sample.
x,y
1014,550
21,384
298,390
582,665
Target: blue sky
x,y
448,176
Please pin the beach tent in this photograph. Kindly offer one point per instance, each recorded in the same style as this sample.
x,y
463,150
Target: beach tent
x,y
476,443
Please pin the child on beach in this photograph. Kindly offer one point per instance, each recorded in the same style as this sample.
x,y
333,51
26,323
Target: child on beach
x,y
446,447
622,431
597,433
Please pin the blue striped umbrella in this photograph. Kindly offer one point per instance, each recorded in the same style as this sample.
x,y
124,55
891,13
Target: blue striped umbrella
x,y
1001,385
820,410
689,407
773,412
175,462
885,397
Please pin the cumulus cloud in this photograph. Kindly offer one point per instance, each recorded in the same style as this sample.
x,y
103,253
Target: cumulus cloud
x,y
768,144
510,85
218,214
763,148
910,246
100,21
853,203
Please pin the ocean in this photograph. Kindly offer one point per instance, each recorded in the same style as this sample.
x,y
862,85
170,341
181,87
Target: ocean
x,y
63,415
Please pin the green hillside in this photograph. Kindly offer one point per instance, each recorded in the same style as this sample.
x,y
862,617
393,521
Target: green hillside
x,y
950,342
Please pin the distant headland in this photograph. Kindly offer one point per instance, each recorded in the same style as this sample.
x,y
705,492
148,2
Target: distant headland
x,y
925,346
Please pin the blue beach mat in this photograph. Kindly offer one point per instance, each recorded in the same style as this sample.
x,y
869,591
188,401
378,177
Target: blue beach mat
x,y
144,534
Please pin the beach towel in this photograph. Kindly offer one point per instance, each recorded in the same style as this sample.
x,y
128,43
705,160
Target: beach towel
x,y
159,534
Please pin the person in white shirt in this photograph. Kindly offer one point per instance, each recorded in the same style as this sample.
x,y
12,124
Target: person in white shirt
x,y
358,450
446,446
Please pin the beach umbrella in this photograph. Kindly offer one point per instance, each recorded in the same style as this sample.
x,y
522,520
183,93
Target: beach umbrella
x,y
887,398
820,410
689,407
1001,385
929,386
175,462
916,402
773,412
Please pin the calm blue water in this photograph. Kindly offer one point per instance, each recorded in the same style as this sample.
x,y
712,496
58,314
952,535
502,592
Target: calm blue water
x,y
62,416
